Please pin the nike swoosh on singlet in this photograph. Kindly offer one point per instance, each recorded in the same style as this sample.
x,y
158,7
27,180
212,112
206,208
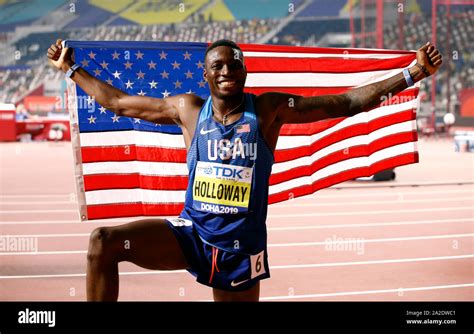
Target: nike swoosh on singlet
x,y
238,283
203,132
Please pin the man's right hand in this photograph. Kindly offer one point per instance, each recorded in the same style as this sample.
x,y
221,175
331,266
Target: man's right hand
x,y
60,57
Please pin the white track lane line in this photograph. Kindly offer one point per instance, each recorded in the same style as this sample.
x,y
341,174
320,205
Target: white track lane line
x,y
293,244
374,212
398,199
36,196
73,235
362,240
367,292
315,195
66,221
393,201
400,223
295,266
388,193
38,203
276,216
40,211
276,229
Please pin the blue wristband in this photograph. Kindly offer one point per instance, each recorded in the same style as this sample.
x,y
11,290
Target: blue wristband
x,y
71,70
408,77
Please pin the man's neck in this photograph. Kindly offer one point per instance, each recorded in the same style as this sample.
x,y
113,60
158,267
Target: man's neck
x,y
224,105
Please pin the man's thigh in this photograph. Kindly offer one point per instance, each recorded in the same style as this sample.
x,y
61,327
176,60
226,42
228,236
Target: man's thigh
x,y
149,243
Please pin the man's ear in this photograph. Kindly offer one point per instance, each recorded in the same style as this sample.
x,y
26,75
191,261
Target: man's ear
x,y
204,74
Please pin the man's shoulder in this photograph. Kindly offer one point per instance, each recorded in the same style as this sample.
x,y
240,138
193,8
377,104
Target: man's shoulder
x,y
268,102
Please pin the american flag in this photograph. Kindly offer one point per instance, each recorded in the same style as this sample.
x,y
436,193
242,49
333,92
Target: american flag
x,y
130,167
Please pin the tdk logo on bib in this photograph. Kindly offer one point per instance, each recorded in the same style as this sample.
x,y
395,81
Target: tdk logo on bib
x,y
233,173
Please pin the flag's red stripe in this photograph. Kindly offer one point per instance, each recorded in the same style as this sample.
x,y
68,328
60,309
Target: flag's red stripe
x,y
342,134
132,210
131,181
132,153
323,65
392,162
341,155
300,49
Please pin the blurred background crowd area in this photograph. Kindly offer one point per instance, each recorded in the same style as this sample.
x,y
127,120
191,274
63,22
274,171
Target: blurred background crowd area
x,y
27,28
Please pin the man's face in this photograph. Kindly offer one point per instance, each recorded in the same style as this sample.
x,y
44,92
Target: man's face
x,y
225,71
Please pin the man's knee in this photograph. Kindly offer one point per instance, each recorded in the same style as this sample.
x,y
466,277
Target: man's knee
x,y
101,244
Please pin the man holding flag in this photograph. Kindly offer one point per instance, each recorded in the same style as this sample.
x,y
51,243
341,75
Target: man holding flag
x,y
230,139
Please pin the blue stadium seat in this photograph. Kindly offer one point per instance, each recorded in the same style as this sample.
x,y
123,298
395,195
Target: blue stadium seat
x,y
16,13
323,8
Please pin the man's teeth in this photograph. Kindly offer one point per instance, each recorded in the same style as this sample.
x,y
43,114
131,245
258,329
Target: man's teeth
x,y
227,83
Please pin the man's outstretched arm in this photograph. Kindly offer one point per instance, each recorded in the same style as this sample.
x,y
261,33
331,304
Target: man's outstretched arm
x,y
297,109
151,109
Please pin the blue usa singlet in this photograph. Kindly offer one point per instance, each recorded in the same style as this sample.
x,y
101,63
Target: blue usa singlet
x,y
229,169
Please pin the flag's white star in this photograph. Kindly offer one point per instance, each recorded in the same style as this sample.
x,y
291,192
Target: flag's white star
x,y
92,55
139,55
189,92
97,72
90,99
129,84
128,65
163,55
141,93
115,118
165,93
151,65
104,64
200,64
177,84
85,63
116,74
175,65
153,84
164,75
137,120
92,119
201,83
189,74
115,55
140,75
102,110
187,55
109,81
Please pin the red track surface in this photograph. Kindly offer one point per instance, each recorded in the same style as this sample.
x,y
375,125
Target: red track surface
x,y
401,243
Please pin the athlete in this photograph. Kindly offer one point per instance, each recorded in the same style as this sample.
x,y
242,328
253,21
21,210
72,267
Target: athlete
x,y
220,236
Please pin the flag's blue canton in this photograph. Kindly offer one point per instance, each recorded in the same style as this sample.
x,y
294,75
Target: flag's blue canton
x,y
155,69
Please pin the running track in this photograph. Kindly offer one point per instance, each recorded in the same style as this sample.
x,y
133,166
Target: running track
x,y
411,239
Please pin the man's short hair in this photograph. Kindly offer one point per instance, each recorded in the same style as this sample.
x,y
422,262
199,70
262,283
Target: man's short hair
x,y
225,42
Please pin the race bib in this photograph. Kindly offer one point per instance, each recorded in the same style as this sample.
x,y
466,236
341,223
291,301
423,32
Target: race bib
x,y
220,188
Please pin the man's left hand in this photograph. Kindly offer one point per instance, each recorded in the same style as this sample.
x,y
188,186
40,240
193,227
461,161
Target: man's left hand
x,y
430,58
